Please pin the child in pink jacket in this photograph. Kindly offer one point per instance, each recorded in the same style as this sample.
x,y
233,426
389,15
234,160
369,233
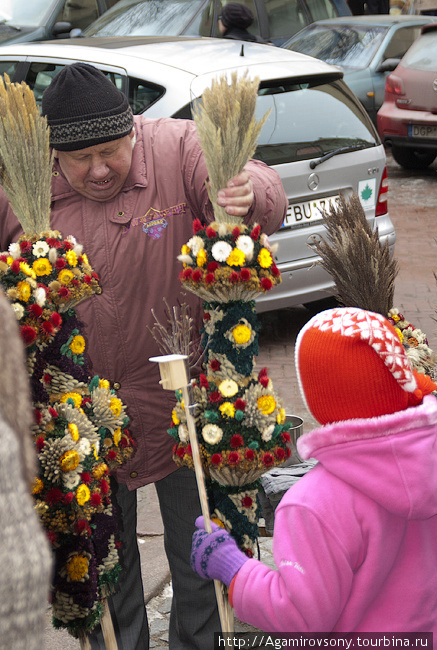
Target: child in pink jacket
x,y
355,540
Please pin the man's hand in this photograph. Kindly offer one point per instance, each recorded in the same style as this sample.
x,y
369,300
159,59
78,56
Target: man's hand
x,y
237,197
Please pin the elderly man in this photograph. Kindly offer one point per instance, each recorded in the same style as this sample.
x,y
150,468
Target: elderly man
x,y
128,189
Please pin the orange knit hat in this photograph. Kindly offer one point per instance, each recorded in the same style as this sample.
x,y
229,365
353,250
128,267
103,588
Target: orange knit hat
x,y
351,364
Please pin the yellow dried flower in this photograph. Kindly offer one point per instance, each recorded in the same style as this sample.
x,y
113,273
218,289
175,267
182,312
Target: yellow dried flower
x,y
236,258
104,383
174,417
117,436
228,387
71,258
77,345
37,486
280,418
227,409
23,290
77,399
115,406
241,334
82,494
265,259
266,404
100,470
42,266
65,277
25,268
77,568
69,460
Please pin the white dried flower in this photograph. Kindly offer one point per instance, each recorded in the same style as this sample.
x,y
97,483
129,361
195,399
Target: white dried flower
x,y
183,433
53,255
245,243
195,244
14,250
40,248
40,296
212,434
268,432
221,251
18,310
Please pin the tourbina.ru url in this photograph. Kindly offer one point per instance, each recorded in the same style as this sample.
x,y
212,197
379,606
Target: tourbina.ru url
x,y
325,641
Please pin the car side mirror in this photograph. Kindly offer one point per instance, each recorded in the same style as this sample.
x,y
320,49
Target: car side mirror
x,y
60,29
388,65
76,33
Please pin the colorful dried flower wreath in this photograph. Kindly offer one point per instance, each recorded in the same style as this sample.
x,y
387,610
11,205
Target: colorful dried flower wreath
x,y
80,428
224,262
415,342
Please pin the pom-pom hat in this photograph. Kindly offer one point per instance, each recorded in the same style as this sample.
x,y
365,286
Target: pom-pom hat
x,y
84,108
235,14
351,364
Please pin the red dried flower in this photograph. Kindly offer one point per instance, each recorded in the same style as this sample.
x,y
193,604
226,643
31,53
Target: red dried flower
x,y
262,373
236,233
64,292
214,364
52,537
240,404
56,319
95,499
215,397
212,266
203,381
233,458
180,452
86,478
15,266
209,278
245,274
234,277
38,416
68,498
216,459
268,459
52,412
35,310
186,273
48,328
266,284
285,437
274,269
211,233
47,379
279,453
264,381
188,450
249,454
197,275
54,496
197,225
112,455
67,245
87,279
236,441
207,316
60,263
256,232
247,501
53,243
104,486
82,526
25,246
39,443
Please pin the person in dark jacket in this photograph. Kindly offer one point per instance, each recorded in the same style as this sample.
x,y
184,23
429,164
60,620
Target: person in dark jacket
x,y
234,21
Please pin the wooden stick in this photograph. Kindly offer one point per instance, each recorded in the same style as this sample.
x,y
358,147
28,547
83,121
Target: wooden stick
x,y
84,641
225,611
108,628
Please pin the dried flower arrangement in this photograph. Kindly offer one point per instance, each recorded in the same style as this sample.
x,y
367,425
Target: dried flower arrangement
x,y
364,274
240,420
80,428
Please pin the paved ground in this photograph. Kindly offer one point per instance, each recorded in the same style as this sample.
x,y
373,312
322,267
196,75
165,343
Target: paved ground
x,y
413,208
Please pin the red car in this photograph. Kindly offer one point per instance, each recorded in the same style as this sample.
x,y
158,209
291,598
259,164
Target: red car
x,y
407,120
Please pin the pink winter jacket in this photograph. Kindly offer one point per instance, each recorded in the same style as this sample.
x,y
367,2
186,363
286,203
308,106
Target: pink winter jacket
x,y
133,242
355,540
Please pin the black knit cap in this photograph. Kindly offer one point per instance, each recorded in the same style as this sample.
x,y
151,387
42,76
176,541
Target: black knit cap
x,y
84,108
235,14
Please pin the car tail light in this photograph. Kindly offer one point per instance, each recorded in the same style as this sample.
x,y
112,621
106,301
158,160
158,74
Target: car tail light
x,y
381,205
394,85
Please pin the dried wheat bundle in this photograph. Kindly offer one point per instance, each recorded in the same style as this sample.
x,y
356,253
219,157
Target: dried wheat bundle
x,y
361,267
228,132
25,159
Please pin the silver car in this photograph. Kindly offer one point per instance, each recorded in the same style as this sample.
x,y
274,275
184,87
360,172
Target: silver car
x,y
318,137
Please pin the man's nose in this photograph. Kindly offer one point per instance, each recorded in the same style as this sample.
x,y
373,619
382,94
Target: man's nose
x,y
99,167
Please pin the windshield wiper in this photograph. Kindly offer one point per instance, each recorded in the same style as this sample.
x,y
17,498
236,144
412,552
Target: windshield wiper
x,y
336,152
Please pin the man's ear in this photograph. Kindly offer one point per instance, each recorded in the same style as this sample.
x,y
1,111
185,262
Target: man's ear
x,y
55,153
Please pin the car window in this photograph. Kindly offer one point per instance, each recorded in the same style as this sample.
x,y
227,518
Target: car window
x,y
422,55
401,41
80,13
145,18
285,17
142,95
40,75
294,131
321,9
23,12
8,67
349,46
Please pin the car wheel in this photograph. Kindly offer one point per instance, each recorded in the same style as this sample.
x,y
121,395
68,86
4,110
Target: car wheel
x,y
413,158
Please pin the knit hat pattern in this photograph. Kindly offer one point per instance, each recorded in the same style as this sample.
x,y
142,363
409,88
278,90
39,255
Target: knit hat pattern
x,y
235,14
84,108
351,364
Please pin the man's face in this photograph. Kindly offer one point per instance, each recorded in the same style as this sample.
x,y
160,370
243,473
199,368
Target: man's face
x,y
98,172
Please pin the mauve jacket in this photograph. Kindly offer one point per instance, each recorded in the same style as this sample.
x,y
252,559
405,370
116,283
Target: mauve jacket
x,y
132,242
355,539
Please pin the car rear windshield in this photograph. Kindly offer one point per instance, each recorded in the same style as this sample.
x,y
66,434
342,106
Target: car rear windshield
x,y
146,18
308,119
422,55
350,46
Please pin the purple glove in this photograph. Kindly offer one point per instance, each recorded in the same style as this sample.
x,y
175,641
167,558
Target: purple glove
x,y
215,556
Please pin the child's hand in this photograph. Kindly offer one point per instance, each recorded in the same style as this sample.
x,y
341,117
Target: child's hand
x,y
215,556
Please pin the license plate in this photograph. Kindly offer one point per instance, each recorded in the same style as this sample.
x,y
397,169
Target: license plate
x,y
300,214
422,131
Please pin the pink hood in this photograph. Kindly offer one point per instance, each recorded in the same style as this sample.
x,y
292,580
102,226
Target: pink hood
x,y
399,471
